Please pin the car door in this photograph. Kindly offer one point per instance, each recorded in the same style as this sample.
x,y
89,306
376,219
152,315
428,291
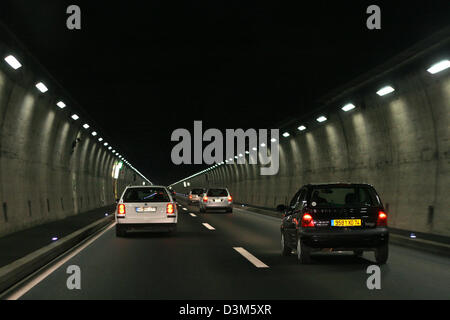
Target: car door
x,y
289,225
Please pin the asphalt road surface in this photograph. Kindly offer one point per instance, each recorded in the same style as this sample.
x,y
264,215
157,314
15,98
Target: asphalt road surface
x,y
235,256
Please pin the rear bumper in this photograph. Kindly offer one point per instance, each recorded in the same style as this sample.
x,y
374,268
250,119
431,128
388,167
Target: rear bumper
x,y
148,226
345,238
217,206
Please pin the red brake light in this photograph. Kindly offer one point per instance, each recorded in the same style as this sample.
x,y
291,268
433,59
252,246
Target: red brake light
x,y
230,199
121,209
382,219
307,221
170,208
190,196
205,199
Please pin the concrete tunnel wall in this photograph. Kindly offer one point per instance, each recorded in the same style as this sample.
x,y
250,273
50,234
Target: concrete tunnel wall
x,y
399,143
42,178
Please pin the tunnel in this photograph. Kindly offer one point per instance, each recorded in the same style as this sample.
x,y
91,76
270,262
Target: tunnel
x,y
224,152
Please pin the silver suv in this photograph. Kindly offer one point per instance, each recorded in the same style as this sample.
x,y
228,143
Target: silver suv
x,y
145,207
216,199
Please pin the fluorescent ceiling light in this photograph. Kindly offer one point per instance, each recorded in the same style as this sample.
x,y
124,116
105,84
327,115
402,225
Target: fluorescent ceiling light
x,y
286,134
105,144
41,87
254,149
321,119
13,62
86,126
440,66
75,117
94,133
109,148
61,104
301,128
100,139
385,90
273,140
263,144
348,107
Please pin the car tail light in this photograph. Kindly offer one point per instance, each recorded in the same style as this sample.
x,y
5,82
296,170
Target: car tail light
x,y
230,199
190,196
205,199
307,221
382,219
121,209
170,209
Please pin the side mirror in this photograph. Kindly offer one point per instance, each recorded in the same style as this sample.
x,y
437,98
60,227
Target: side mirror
x,y
281,208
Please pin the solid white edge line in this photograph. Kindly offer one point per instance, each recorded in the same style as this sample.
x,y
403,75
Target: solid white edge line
x,y
35,281
208,226
192,214
256,262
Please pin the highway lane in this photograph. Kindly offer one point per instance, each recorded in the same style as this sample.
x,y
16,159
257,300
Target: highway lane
x,y
201,263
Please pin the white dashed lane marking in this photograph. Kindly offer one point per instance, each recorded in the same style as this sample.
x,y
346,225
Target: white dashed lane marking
x,y
208,226
256,262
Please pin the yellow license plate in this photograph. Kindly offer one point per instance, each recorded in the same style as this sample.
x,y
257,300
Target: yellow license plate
x,y
346,223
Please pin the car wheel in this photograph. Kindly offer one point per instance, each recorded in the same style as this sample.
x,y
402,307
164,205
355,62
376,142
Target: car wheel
x,y
358,253
382,254
230,210
303,252
285,249
120,231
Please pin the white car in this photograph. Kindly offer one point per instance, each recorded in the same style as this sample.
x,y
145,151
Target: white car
x,y
216,199
146,208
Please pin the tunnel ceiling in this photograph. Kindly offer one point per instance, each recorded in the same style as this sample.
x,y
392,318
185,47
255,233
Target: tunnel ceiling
x,y
141,72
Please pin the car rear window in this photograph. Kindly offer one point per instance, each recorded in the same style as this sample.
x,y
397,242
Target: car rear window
x,y
197,191
146,195
217,193
343,196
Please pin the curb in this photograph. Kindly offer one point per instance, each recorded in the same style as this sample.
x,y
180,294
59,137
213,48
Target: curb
x,y
21,268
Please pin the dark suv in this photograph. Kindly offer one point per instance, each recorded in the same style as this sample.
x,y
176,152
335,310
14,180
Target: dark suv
x,y
340,216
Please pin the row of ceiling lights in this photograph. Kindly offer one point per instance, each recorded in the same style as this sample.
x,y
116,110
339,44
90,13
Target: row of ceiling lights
x,y
435,68
15,64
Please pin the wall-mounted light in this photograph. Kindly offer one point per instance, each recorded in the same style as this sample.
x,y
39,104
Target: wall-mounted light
x,y
385,90
61,104
41,87
438,67
321,119
13,62
348,107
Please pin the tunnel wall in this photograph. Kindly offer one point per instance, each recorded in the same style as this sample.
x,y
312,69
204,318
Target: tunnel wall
x,y
43,177
399,143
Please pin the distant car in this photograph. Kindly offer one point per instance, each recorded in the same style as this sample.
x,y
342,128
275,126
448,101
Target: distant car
x,y
195,195
145,208
173,194
216,199
342,217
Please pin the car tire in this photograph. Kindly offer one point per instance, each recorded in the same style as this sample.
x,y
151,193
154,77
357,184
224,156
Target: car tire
x,y
285,249
303,252
358,253
120,231
382,254
230,210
